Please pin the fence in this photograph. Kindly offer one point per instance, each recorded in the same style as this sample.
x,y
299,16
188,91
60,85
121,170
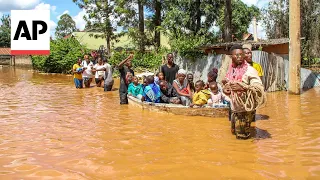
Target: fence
x,y
276,69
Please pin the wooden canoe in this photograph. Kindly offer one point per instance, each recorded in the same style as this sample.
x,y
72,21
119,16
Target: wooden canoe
x,y
216,112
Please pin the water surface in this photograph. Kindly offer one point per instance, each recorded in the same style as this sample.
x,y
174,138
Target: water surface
x,y
51,130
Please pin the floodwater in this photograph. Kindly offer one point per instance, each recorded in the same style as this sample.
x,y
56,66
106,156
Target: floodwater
x,y
51,130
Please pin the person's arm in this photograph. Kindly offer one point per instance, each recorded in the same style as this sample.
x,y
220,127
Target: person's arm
x,y
74,70
190,93
164,98
178,90
120,65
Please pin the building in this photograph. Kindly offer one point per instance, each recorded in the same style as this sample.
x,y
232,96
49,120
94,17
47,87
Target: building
x,y
124,42
7,59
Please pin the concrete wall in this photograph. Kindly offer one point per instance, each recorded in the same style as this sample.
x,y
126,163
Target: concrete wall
x,y
22,61
5,60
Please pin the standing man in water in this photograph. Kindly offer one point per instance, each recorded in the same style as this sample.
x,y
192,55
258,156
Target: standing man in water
x,y
124,68
108,80
244,87
77,74
248,57
87,74
170,69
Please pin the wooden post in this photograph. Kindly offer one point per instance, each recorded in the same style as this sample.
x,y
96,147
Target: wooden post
x,y
255,29
294,47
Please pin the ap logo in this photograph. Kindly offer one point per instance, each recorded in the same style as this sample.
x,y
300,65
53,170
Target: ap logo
x,y
30,32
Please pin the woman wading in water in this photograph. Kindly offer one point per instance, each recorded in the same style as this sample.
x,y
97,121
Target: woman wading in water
x,y
244,87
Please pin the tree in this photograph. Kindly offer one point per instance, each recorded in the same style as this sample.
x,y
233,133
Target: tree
x,y
227,21
276,19
63,54
241,18
5,31
66,26
134,22
276,22
98,20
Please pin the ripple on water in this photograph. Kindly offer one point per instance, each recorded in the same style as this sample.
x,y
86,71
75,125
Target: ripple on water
x,y
49,129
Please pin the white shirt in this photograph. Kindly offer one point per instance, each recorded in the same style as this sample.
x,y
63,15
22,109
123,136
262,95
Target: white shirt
x,y
88,72
99,73
108,73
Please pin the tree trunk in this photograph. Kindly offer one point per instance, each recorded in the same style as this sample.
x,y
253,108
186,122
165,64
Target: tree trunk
x,y
157,24
108,45
198,25
227,21
141,26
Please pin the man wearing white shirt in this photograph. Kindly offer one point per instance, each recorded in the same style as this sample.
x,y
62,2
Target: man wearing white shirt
x,y
87,73
99,70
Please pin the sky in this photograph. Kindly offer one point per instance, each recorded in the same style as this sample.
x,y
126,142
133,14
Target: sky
x,y
59,7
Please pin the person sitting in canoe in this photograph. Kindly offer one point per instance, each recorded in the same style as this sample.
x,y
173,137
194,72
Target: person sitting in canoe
x,y
212,77
182,87
217,98
159,76
168,93
135,89
190,81
201,95
245,89
152,91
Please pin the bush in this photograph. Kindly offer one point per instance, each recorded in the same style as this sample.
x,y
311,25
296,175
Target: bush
x,y
148,60
63,54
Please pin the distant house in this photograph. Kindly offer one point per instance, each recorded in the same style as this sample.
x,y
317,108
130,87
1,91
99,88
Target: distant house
x,y
7,59
5,56
277,46
124,42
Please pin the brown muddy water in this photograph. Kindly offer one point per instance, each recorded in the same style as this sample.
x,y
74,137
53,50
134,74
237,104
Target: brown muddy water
x,y
51,130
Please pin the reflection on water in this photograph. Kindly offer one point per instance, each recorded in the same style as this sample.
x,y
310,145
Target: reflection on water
x,y
49,129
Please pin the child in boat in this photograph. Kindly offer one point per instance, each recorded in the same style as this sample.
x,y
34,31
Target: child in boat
x,y
201,95
217,97
144,82
212,77
152,91
168,93
182,87
159,76
190,81
129,77
135,89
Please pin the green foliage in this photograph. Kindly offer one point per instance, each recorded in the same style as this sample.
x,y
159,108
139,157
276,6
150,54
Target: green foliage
x,y
276,20
5,31
241,17
66,26
98,19
63,54
187,46
148,60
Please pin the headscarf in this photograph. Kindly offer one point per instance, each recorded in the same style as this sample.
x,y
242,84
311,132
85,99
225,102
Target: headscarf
x,y
182,71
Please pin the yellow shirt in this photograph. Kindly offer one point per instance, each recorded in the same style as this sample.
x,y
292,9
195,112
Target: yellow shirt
x,y
258,68
76,75
201,97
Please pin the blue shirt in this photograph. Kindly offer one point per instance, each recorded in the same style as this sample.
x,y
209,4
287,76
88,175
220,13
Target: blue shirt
x,y
152,93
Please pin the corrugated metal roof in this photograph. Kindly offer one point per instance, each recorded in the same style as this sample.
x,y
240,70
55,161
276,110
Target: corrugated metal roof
x,y
5,51
268,42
